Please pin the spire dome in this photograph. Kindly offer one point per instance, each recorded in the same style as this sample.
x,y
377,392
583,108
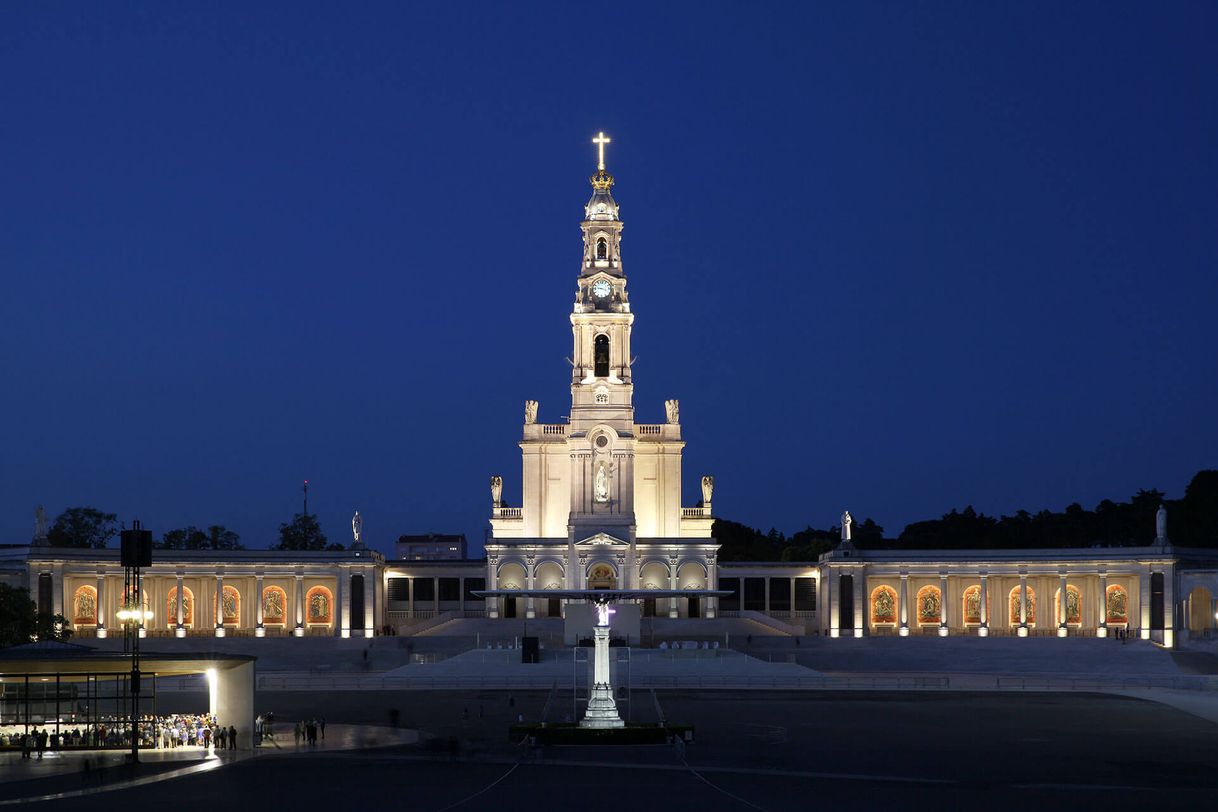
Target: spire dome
x,y
602,206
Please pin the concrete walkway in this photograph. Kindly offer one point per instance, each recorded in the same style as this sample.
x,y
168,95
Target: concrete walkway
x,y
90,772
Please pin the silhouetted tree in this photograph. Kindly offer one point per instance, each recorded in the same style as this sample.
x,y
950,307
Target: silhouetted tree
x,y
82,527
216,537
20,621
303,533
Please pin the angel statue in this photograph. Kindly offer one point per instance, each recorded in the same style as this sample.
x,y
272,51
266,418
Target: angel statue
x,y
530,412
846,522
357,528
708,489
496,491
673,409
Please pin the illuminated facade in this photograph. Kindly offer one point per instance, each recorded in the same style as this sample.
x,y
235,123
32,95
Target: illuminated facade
x,y
600,493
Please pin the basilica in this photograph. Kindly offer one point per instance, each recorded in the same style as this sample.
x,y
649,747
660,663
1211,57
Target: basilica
x,y
601,493
601,507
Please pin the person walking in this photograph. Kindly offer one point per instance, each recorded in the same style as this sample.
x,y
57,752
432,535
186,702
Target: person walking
x,y
232,737
322,724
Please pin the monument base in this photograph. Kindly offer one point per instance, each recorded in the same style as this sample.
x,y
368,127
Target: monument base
x,y
602,710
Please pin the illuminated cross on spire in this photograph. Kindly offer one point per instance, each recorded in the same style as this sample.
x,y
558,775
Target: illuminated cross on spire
x,y
600,142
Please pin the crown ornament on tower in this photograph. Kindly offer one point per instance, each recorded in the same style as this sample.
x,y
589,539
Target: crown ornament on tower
x,y
601,181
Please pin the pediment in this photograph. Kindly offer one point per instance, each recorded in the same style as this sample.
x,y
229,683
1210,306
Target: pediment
x,y
602,540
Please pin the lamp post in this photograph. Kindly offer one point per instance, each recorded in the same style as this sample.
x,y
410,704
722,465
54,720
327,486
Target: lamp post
x,y
136,554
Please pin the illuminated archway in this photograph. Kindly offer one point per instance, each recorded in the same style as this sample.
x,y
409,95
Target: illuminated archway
x,y
188,607
1116,606
84,606
274,606
1014,606
883,605
232,606
970,605
602,576
1074,606
929,605
319,607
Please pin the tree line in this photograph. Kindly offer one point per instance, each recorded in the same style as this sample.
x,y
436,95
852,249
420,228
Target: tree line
x,y
1192,521
89,527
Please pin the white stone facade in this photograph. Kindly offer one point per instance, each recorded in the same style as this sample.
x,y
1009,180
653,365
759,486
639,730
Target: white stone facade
x,y
600,493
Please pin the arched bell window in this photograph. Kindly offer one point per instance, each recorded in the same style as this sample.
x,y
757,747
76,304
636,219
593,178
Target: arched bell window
x,y
601,356
602,248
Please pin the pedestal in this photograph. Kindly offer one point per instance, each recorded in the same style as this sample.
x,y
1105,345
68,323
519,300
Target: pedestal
x,y
1102,631
219,631
260,632
1023,631
298,631
602,709
983,631
180,631
101,632
1061,632
904,632
943,631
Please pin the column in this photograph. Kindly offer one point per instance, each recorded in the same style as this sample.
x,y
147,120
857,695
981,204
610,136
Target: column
x,y
259,629
219,604
492,604
1143,603
435,594
343,582
903,610
461,586
833,594
672,584
1169,607
857,581
1023,604
767,594
984,629
139,589
57,599
943,604
180,609
791,596
1213,613
101,605
299,630
1101,625
530,572
712,582
1062,612
369,601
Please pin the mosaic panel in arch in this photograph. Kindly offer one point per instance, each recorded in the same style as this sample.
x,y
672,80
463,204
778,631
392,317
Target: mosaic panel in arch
x,y
84,605
972,605
1117,605
320,605
274,605
884,605
930,604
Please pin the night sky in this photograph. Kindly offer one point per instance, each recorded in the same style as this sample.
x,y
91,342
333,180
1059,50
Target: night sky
x,y
895,258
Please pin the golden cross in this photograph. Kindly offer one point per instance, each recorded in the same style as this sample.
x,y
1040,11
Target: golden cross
x,y
600,142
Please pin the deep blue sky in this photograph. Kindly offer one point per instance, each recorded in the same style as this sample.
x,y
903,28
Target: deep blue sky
x,y
892,257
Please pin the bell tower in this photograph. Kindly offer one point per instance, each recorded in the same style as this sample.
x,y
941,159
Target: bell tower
x,y
601,386
601,433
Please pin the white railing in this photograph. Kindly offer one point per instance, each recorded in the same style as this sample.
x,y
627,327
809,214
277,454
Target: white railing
x,y
695,513
559,429
652,429
508,513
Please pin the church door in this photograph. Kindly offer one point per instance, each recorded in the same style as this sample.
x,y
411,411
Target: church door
x,y
649,607
695,608
509,607
554,607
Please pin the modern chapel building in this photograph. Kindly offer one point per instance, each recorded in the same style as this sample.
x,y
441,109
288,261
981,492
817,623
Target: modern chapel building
x,y
601,507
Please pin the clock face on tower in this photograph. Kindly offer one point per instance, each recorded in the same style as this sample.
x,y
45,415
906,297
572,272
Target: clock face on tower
x,y
601,288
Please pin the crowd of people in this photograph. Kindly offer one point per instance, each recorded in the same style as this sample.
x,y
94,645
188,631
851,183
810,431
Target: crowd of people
x,y
307,730
155,732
